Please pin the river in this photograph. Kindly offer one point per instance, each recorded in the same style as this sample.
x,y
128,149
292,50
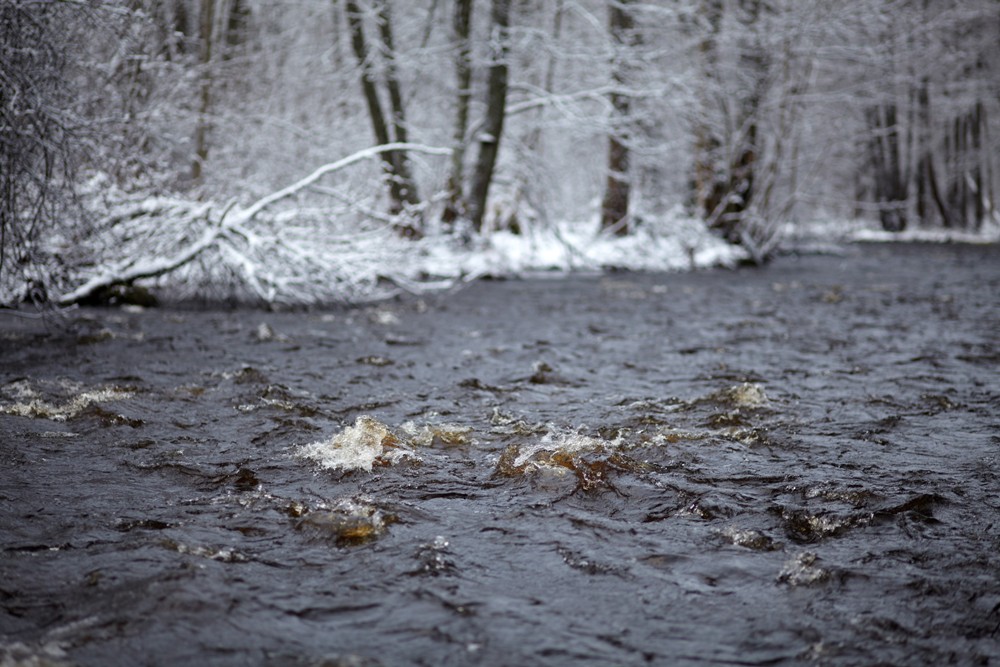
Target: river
x,y
792,465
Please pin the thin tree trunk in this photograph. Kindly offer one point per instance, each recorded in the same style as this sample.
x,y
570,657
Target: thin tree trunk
x,y
398,194
896,220
978,205
942,205
360,47
338,57
496,105
986,195
614,206
890,191
922,124
928,190
951,168
401,164
706,189
461,20
207,34
961,172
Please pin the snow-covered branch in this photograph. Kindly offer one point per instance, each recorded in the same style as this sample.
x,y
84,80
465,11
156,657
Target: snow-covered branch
x,y
230,233
368,153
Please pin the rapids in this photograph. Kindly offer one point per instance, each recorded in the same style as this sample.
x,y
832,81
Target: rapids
x,y
791,465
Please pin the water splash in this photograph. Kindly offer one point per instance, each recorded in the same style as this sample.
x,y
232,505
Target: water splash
x,y
749,395
750,539
31,404
350,522
551,448
803,569
367,444
437,435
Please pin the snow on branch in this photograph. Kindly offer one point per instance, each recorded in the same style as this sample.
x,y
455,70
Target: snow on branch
x,y
367,153
132,269
161,236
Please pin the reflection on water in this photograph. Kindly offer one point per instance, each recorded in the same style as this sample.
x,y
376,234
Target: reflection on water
x,y
782,466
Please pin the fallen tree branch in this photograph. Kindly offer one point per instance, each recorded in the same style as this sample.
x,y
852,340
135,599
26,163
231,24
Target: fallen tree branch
x,y
131,269
134,268
367,153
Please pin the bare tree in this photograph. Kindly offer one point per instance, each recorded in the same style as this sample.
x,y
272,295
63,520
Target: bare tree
x,y
402,188
496,107
615,205
38,135
461,22
207,35
728,152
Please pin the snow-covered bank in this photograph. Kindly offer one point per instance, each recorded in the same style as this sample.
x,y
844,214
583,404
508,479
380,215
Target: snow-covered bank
x,y
671,243
299,253
840,231
294,255
990,234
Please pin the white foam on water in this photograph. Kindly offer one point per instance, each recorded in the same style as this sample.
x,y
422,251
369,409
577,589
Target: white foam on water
x,y
803,570
566,443
360,447
748,395
349,521
428,435
31,405
49,654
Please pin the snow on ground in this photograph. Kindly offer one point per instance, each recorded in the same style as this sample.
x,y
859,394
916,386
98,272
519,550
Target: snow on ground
x,y
990,234
834,230
306,256
669,244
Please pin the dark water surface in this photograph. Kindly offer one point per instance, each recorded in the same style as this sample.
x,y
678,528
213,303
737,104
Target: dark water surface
x,y
795,465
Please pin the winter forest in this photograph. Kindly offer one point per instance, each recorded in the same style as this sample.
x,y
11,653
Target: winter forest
x,y
312,151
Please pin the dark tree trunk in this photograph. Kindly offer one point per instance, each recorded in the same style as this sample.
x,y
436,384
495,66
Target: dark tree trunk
x,y
614,206
890,186
707,185
923,148
206,32
461,20
496,107
724,185
978,205
957,195
400,161
402,192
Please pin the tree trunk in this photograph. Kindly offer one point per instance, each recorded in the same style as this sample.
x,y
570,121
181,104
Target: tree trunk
x,y
890,189
461,20
496,105
707,190
960,194
725,167
207,34
401,163
614,206
979,203
360,47
896,182
923,150
401,189
338,57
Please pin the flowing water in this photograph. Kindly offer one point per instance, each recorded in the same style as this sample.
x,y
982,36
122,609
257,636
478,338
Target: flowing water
x,y
793,465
